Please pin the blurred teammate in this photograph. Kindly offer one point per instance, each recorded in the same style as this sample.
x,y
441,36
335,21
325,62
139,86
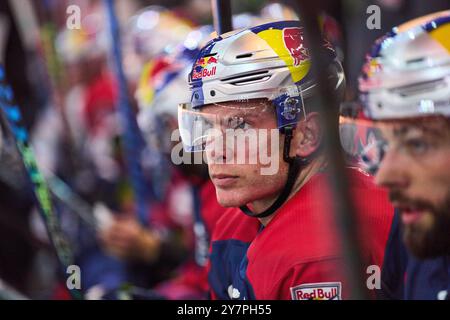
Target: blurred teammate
x,y
405,89
253,111
130,253
186,197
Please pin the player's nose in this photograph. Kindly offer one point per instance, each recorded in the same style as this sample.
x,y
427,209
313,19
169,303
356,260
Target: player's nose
x,y
216,150
392,172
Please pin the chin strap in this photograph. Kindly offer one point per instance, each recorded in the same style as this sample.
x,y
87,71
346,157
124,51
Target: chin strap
x,y
295,165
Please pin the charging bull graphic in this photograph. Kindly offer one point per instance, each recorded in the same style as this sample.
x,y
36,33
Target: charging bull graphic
x,y
293,41
288,44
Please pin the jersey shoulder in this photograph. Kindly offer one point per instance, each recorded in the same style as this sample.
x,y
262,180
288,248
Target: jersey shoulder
x,y
374,215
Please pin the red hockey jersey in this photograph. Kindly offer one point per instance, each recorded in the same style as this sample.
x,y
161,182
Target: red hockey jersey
x,y
297,255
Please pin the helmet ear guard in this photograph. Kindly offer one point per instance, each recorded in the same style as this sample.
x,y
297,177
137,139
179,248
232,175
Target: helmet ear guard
x,y
292,102
288,110
292,105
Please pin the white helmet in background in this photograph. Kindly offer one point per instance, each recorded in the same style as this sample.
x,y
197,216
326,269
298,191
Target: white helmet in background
x,y
406,76
163,85
151,31
155,29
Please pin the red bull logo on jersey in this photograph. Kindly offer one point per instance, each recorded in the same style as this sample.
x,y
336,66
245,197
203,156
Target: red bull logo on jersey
x,y
204,67
317,291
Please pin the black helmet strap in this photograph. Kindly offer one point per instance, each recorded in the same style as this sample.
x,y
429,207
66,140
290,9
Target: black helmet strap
x,y
295,165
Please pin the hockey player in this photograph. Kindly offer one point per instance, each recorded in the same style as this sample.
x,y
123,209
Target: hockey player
x,y
405,89
254,112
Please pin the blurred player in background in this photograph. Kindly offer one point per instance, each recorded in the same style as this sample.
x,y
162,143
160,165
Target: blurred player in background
x,y
405,94
185,196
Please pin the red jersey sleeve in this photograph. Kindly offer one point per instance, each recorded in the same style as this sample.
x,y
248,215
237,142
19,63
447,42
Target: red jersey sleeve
x,y
318,280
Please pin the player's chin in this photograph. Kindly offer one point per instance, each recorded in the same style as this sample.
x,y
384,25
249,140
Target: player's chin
x,y
426,240
415,241
232,197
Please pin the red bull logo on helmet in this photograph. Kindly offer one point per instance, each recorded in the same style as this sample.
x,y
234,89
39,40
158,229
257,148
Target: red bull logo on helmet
x,y
203,68
204,61
294,43
288,44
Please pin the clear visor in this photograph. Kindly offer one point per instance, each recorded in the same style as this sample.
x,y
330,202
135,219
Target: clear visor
x,y
363,142
200,128
367,142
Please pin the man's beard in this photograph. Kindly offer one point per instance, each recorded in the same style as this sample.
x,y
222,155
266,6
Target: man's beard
x,y
427,242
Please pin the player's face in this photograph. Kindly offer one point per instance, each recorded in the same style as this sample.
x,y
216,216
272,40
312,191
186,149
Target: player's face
x,y
240,182
416,170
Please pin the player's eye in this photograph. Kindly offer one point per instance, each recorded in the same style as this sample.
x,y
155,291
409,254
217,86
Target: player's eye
x,y
416,146
238,123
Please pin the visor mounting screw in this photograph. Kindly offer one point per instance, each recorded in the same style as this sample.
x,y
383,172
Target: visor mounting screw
x,y
212,93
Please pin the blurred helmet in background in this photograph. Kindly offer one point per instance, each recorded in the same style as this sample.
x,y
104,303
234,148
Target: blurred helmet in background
x,y
91,41
163,85
152,31
406,76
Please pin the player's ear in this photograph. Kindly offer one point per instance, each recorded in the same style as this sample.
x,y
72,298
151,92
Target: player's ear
x,y
308,135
